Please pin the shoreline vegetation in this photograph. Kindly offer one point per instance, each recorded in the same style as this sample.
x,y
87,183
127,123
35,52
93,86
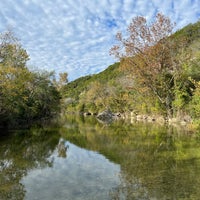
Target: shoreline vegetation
x,y
26,97
156,79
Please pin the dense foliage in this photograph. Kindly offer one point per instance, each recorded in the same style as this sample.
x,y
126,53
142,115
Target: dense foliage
x,y
158,73
155,60
25,96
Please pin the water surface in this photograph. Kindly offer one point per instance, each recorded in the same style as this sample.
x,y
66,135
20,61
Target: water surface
x,y
86,159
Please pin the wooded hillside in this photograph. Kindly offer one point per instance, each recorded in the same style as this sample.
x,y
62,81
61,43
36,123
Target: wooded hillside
x,y
169,87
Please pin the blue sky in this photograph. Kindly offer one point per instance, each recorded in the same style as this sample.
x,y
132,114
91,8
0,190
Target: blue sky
x,y
75,35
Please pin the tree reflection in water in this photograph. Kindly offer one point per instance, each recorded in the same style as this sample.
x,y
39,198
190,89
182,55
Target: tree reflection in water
x,y
62,148
155,162
21,152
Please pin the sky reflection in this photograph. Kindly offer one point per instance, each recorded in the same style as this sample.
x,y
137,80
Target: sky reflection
x,y
82,174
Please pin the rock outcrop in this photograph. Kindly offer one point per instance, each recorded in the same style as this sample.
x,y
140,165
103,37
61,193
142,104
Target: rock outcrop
x,y
106,115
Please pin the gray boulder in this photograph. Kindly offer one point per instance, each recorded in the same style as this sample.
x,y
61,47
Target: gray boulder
x,y
106,115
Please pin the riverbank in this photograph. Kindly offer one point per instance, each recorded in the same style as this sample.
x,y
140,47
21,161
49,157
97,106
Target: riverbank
x,y
182,121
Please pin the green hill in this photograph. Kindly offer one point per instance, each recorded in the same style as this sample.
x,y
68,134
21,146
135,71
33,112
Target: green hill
x,y
114,88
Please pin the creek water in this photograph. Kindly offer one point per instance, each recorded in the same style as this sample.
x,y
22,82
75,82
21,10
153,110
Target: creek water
x,y
88,160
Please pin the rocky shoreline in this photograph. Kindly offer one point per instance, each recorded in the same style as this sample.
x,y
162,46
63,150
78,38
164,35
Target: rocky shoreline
x,y
108,116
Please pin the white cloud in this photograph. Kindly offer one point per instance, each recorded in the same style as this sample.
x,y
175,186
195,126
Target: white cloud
x,y
76,35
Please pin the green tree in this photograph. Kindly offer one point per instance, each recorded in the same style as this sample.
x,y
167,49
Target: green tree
x,y
152,56
25,96
195,102
63,80
11,52
13,92
97,94
44,99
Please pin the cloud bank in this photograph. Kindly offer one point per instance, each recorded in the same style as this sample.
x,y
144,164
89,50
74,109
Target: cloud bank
x,y
75,35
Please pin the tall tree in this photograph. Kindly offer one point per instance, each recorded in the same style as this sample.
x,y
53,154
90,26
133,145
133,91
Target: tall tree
x,y
11,52
63,80
25,96
151,56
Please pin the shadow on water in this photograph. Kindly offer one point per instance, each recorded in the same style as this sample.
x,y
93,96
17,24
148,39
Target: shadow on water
x,y
134,161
